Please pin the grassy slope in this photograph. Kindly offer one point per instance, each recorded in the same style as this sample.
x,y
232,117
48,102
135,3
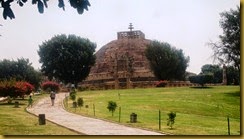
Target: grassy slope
x,y
198,111
16,121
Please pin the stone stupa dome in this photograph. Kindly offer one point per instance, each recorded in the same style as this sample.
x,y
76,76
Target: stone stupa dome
x,y
123,58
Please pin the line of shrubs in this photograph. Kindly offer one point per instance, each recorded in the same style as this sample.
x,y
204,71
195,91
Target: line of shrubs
x,y
13,89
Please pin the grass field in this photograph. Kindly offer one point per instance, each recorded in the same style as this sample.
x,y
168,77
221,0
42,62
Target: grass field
x,y
17,121
199,111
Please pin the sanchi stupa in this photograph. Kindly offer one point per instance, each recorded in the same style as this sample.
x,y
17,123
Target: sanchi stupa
x,y
122,63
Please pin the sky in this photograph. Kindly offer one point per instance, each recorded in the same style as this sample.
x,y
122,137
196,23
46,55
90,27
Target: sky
x,y
185,24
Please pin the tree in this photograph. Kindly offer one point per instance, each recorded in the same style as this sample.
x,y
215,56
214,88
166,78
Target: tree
x,y
228,49
166,62
67,58
21,70
79,5
112,106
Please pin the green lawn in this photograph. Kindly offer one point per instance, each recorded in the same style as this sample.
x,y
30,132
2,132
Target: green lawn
x,y
198,111
17,121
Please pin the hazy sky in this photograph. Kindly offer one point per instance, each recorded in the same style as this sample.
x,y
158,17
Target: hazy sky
x,y
185,24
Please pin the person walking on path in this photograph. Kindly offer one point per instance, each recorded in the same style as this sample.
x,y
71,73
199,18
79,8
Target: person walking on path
x,y
52,96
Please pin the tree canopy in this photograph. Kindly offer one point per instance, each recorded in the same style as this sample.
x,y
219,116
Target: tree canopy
x,y
67,58
79,5
166,62
21,70
227,50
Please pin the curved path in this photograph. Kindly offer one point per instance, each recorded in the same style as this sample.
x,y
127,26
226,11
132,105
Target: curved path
x,y
82,124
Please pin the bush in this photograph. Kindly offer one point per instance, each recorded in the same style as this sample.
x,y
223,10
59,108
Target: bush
x,y
14,89
73,95
171,119
74,104
161,83
23,88
7,88
81,88
50,86
201,79
112,106
80,102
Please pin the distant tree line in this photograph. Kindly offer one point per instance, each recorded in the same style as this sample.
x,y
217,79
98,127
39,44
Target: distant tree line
x,y
20,70
213,74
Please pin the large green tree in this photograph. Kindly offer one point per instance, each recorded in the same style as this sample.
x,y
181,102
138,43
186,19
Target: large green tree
x,y
227,50
67,58
167,62
21,70
79,5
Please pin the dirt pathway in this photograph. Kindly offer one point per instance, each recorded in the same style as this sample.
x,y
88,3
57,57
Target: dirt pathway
x,y
85,125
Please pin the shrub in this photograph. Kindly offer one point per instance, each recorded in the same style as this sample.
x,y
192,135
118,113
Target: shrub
x,y
112,106
81,88
74,104
161,83
23,88
7,88
171,119
80,102
201,79
73,95
50,86
13,89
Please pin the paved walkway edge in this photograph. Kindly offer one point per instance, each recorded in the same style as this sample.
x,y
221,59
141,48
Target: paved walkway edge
x,y
82,124
55,123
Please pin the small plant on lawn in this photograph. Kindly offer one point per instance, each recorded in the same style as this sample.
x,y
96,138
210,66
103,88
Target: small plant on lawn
x,y
80,102
112,106
73,98
171,119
